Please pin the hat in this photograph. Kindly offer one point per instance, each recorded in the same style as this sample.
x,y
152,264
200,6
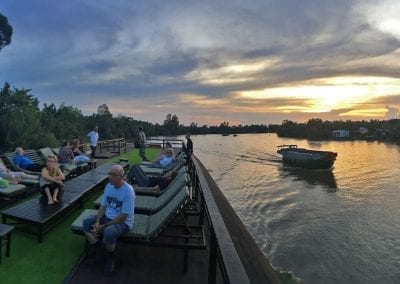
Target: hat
x,y
4,183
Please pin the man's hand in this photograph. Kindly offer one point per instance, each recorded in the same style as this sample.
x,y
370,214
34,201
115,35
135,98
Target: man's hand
x,y
98,229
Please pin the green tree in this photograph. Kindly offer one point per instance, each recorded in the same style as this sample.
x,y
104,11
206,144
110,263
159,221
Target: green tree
x,y
20,120
171,124
6,31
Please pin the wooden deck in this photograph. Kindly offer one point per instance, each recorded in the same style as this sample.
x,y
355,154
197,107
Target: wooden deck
x,y
142,263
38,213
152,264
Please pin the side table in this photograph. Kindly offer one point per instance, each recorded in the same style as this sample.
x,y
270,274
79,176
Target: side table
x,y
92,164
5,234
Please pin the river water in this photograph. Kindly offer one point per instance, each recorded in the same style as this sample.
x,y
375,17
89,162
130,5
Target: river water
x,y
339,226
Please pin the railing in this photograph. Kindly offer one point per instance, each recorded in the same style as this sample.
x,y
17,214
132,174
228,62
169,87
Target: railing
x,y
161,142
118,146
239,259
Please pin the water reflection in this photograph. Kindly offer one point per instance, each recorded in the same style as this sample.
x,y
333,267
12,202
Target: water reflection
x,y
325,178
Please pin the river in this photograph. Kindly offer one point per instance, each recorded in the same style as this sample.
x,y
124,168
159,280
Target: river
x,y
339,226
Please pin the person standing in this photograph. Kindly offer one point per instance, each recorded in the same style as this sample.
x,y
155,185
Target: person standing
x,y
142,141
189,145
115,216
93,138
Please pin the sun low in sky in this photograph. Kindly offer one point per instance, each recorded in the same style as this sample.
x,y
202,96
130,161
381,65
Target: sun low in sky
x,y
245,62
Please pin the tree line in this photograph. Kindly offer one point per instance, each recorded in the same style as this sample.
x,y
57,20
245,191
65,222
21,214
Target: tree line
x,y
317,129
23,123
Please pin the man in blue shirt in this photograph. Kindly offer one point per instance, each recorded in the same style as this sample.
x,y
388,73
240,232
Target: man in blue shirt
x,y
23,164
115,216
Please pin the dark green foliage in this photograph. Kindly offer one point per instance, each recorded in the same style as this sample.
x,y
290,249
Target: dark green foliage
x,y
6,31
19,119
22,123
171,124
315,128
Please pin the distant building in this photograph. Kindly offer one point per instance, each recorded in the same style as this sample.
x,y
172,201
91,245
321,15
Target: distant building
x,y
340,133
363,130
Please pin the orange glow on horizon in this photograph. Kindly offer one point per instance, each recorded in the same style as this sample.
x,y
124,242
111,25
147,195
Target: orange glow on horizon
x,y
327,94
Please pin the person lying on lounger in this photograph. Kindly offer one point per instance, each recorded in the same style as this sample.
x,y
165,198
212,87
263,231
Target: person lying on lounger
x,y
24,163
15,177
137,176
164,160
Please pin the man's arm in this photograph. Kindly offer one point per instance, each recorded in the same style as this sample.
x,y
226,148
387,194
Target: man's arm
x,y
117,220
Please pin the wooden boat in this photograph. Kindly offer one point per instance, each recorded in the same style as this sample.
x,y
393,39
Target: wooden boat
x,y
305,158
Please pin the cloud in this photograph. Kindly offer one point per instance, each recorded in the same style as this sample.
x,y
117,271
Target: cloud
x,y
198,58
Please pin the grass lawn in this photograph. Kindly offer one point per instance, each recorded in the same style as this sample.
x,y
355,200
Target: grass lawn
x,y
52,260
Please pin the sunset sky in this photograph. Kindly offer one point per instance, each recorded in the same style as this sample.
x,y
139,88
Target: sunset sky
x,y
245,62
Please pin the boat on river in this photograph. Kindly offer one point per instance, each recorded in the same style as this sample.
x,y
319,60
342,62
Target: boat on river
x,y
306,158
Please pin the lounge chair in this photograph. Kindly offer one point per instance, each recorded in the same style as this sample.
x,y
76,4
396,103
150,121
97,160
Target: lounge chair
x,y
31,154
141,190
178,163
12,190
27,182
148,229
69,169
38,213
146,204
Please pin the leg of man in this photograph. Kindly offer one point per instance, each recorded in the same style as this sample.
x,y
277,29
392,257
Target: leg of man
x,y
93,153
110,236
142,152
139,175
155,165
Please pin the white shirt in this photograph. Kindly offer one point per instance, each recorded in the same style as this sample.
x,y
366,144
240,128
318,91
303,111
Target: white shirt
x,y
93,137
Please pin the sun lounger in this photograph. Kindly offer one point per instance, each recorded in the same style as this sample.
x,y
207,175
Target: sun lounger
x,y
56,150
174,166
38,213
152,229
31,154
69,169
146,204
150,190
146,227
27,182
12,190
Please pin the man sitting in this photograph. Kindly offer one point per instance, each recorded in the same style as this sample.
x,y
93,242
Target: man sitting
x,y
24,164
115,216
157,183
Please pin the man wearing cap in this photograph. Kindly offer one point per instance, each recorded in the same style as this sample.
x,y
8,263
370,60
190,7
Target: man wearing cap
x,y
115,215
